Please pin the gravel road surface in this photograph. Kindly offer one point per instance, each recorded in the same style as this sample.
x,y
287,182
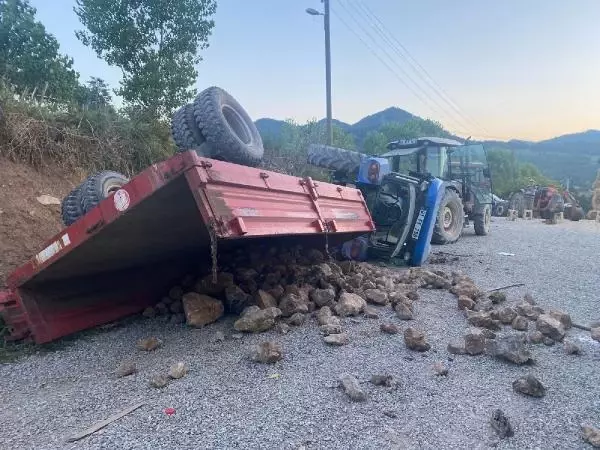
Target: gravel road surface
x,y
226,401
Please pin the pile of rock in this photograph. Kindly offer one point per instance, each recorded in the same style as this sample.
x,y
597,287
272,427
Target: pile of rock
x,y
281,287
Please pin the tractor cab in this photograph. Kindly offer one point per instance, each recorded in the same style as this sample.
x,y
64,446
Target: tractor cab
x,y
465,171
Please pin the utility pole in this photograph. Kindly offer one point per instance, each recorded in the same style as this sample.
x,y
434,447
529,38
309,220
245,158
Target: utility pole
x,y
328,73
325,14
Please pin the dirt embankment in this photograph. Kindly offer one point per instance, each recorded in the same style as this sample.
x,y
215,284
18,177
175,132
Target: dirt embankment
x,y
24,222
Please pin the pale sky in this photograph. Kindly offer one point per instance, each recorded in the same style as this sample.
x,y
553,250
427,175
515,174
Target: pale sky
x,y
523,69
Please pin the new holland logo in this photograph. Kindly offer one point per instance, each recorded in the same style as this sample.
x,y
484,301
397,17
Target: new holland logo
x,y
419,223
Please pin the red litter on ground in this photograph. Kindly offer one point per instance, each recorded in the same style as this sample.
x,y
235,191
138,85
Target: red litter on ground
x,y
169,411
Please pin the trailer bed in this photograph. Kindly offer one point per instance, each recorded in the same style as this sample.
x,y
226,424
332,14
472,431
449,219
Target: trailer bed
x,y
122,255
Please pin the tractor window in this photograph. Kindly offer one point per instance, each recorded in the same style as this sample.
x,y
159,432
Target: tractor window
x,y
437,158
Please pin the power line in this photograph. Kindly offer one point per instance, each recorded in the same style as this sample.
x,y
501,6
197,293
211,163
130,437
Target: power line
x,y
391,58
416,66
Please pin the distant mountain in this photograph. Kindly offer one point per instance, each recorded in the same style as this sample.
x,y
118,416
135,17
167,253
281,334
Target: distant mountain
x,y
272,127
575,156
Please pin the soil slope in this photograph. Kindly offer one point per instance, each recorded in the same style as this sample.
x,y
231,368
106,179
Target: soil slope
x,y
25,224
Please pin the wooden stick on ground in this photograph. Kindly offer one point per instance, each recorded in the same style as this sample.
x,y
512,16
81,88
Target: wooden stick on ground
x,y
506,287
105,422
581,327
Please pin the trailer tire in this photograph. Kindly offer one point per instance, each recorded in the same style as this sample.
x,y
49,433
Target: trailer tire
x,y
100,186
500,212
334,158
70,208
450,220
482,222
227,127
185,131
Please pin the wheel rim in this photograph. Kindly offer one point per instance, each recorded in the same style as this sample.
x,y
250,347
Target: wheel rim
x,y
237,124
448,216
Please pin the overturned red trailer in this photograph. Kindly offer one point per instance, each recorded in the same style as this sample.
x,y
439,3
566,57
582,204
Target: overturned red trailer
x,y
122,255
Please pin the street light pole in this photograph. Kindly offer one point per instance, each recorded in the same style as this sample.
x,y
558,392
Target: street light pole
x,y
328,74
314,12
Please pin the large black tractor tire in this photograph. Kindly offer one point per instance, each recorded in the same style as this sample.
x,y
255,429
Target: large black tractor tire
x,y
450,219
227,128
185,131
482,222
334,158
517,202
71,209
100,186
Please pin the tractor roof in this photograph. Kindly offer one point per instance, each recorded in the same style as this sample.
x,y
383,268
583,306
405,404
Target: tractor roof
x,y
408,146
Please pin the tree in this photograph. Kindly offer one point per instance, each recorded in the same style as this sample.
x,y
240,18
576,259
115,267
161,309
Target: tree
x,y
29,56
94,94
376,141
154,42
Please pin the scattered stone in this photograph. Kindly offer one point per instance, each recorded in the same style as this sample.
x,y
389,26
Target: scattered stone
x,y
176,306
562,317
482,320
528,298
207,287
328,329
200,310
389,328
323,297
178,370
265,300
161,308
236,299
257,320
390,414
456,349
536,337
415,340
507,315
352,388
432,280
176,293
484,306
149,312
501,424
47,200
529,385
474,342
595,333
494,314
403,311
382,380
591,435
497,297
465,302
525,309
376,296
520,323
297,319
291,304
551,327
267,352
440,369
149,344
125,369
510,348
467,289
177,319
371,313
350,305
237,336
336,339
277,292
323,315
548,341
159,381
571,348
282,328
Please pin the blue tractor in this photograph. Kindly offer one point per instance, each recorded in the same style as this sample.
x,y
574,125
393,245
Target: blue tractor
x,y
420,191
